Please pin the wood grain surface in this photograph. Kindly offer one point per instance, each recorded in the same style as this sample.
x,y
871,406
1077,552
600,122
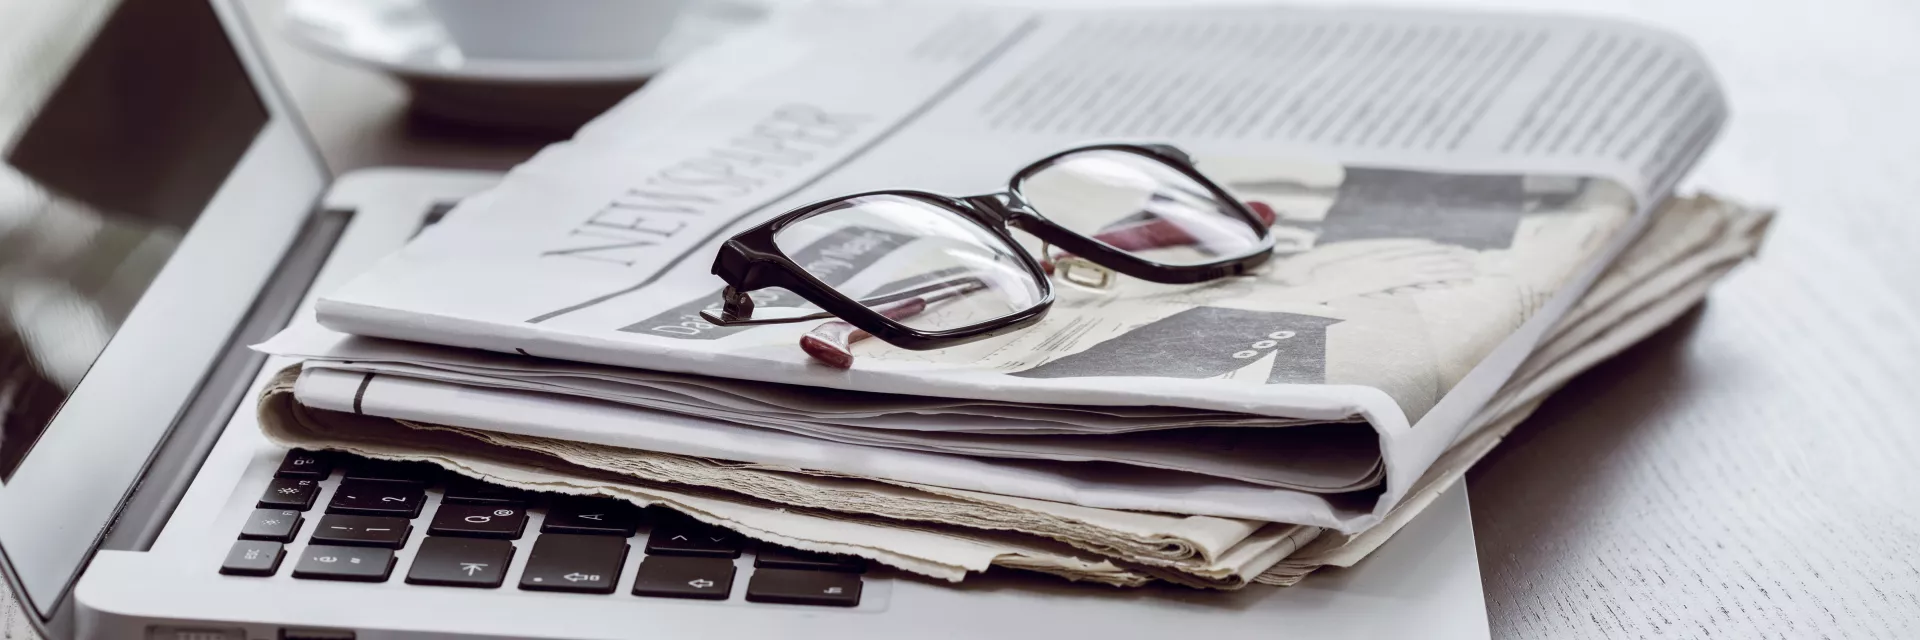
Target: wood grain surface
x,y
1748,473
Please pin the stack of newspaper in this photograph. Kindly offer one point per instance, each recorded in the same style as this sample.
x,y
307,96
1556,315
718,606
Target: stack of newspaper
x,y
1471,209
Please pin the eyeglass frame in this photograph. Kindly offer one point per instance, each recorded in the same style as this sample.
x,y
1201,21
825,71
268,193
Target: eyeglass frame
x,y
751,260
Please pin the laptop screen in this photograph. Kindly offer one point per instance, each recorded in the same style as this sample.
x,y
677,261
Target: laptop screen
x,y
118,121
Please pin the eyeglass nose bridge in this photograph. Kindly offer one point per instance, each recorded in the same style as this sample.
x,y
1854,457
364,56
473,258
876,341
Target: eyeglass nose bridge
x,y
994,208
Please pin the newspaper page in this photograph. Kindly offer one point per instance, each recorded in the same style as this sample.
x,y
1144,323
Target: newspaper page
x,y
1446,185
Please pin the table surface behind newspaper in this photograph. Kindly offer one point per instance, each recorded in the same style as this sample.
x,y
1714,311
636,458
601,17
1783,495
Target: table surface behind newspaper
x,y
1743,472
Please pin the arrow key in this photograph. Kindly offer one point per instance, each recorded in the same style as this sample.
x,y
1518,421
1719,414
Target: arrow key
x,y
681,536
461,562
696,578
572,562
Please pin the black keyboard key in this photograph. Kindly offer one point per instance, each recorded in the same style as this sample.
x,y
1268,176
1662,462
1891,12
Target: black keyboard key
x,y
566,562
356,564
273,525
362,498
301,464
362,531
283,493
682,537
253,558
593,516
771,557
470,491
365,470
461,562
792,586
696,578
479,521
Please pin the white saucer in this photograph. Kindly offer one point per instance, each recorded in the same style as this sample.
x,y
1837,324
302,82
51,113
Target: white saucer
x,y
406,39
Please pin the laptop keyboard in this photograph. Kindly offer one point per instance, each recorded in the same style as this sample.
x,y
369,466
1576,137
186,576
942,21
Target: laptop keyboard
x,y
580,547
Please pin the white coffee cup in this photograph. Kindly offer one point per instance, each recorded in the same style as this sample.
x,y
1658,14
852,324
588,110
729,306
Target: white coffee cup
x,y
551,30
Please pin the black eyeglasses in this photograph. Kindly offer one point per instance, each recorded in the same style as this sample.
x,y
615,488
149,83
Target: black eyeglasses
x,y
925,271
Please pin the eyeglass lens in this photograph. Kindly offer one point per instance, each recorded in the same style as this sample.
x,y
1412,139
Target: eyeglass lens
x,y
915,261
1139,205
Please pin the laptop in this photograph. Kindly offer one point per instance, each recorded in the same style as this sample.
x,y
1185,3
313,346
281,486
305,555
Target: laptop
x,y
161,209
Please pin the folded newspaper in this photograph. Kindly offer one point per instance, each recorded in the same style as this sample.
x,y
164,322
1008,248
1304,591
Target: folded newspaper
x,y
1448,188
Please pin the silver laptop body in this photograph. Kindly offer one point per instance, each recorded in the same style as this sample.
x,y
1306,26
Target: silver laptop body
x,y
121,503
